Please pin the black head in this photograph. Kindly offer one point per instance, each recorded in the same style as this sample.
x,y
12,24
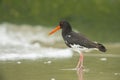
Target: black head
x,y
64,24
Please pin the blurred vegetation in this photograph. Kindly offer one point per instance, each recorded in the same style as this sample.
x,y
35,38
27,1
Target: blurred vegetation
x,y
98,19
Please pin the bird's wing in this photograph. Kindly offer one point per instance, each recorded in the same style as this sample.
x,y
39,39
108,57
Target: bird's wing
x,y
79,39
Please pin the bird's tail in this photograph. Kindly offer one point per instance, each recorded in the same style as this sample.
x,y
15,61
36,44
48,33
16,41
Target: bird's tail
x,y
101,47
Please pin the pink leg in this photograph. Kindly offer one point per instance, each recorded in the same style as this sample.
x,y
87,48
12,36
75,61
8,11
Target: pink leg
x,y
80,74
80,62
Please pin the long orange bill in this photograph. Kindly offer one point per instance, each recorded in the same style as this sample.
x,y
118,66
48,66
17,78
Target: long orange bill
x,y
54,30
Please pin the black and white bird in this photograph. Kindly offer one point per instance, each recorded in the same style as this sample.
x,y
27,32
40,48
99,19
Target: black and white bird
x,y
77,41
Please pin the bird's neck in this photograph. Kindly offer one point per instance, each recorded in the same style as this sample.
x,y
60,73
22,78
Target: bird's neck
x,y
66,31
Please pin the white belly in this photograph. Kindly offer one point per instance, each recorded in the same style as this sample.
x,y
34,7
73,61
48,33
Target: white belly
x,y
80,49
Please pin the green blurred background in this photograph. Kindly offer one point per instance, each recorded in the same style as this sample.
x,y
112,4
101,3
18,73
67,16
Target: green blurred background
x,y
97,19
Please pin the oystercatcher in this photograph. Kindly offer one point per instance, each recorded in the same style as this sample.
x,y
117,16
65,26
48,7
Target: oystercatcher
x,y
77,41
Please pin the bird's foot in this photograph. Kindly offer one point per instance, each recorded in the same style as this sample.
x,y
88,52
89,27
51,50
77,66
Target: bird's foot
x,y
81,67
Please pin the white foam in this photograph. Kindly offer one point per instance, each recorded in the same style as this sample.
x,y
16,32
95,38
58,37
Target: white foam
x,y
24,42
25,34
42,53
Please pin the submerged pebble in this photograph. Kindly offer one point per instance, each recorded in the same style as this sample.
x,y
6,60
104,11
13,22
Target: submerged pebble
x,y
116,74
103,59
18,62
48,62
52,78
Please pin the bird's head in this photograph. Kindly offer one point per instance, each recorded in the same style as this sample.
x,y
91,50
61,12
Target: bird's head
x,y
62,25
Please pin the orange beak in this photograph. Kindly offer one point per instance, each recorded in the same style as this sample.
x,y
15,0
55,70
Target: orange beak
x,y
54,30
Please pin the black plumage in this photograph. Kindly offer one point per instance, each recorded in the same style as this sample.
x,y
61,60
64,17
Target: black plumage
x,y
72,38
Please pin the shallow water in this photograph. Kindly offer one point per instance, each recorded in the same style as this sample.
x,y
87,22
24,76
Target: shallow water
x,y
28,53
59,69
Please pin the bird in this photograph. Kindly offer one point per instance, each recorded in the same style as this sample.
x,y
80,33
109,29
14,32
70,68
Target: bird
x,y
77,41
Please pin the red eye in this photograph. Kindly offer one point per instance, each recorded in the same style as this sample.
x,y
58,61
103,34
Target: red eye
x,y
61,23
